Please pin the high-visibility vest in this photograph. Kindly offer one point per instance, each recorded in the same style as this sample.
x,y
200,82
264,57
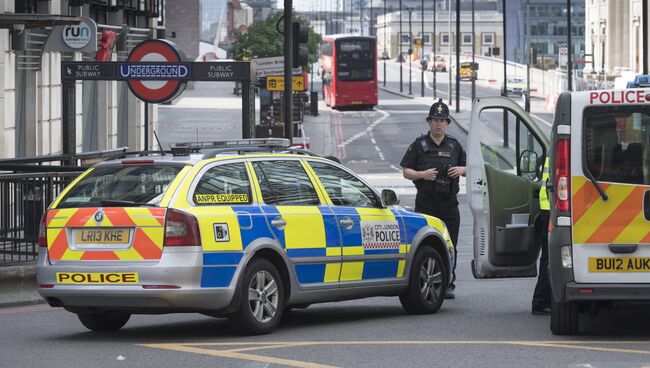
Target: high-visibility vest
x,y
543,195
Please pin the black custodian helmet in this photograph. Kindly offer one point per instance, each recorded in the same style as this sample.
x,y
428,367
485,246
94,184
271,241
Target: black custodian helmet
x,y
439,111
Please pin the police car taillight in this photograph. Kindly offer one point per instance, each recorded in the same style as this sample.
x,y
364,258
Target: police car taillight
x,y
42,232
181,229
562,163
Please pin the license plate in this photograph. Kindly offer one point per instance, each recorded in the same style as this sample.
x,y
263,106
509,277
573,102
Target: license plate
x,y
102,236
619,264
97,278
356,102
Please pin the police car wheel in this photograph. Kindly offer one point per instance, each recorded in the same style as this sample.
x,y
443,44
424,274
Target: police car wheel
x,y
565,318
428,281
262,298
107,321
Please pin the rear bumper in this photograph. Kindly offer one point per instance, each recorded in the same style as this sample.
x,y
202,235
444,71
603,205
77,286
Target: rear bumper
x,y
182,268
580,292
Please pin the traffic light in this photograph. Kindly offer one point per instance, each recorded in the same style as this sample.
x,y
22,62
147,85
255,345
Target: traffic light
x,y
300,35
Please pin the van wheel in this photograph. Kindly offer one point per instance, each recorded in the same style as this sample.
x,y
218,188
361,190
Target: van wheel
x,y
262,299
564,318
428,282
106,321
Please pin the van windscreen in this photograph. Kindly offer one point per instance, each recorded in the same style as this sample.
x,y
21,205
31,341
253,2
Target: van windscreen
x,y
617,143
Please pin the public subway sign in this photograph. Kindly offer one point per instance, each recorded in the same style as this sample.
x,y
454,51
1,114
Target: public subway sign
x,y
156,71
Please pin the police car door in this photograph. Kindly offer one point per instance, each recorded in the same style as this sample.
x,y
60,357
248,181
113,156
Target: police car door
x,y
503,182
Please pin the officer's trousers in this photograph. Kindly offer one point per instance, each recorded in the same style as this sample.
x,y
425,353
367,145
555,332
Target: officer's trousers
x,y
447,211
542,294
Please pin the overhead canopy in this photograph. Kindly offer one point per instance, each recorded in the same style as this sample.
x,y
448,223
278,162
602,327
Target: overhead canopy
x,y
10,20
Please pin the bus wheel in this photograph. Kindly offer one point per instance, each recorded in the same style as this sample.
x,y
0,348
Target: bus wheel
x,y
565,318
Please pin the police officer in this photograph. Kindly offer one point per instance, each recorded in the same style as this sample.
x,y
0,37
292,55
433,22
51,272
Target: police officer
x,y
434,162
542,295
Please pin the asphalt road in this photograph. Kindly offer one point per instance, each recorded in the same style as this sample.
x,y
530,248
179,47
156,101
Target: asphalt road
x,y
489,324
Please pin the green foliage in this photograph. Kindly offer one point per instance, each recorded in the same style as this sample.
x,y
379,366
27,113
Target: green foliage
x,y
263,40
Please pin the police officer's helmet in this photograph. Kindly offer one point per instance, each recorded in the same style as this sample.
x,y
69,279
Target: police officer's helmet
x,y
439,111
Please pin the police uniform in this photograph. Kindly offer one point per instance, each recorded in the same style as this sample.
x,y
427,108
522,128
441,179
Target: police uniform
x,y
437,197
542,294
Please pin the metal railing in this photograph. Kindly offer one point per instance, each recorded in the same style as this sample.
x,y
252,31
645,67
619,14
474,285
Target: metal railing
x,y
27,187
23,200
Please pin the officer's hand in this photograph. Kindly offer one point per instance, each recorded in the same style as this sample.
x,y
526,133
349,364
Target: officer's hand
x,y
429,174
456,171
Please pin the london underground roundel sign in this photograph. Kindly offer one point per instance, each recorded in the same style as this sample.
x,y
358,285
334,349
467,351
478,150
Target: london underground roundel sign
x,y
156,71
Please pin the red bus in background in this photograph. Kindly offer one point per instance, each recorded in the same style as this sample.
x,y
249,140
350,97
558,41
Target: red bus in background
x,y
349,70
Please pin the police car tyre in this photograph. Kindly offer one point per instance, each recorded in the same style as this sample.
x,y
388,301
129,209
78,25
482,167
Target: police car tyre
x,y
262,299
428,282
107,321
564,318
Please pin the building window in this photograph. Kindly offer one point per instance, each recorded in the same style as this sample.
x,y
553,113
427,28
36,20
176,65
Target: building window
x,y
467,38
405,38
444,38
488,38
426,38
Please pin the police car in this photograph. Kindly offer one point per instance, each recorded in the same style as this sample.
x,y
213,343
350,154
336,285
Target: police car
x,y
243,231
599,191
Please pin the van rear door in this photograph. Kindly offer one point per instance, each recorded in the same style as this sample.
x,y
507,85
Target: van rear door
x,y
503,182
611,238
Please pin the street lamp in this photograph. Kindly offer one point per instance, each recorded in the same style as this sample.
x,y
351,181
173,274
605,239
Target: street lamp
x,y
383,56
569,72
400,57
422,48
433,43
410,10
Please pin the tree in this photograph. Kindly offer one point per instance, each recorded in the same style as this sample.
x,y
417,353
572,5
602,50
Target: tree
x,y
264,40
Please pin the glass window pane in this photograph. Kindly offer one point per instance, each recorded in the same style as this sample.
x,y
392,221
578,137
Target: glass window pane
x,y
343,188
140,184
617,143
224,184
285,183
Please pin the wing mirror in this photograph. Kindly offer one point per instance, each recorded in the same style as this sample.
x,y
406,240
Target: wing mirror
x,y
528,164
388,198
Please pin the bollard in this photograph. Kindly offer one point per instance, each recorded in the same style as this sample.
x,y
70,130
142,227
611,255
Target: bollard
x,y
313,103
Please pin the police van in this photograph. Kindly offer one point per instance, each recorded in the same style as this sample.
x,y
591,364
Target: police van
x,y
599,193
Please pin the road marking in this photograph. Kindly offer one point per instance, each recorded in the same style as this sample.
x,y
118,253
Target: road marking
x,y
237,353
27,309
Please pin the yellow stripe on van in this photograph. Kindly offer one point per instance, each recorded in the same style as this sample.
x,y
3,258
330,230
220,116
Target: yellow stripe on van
x,y
596,215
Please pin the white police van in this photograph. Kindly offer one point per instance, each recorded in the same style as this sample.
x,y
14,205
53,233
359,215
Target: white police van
x,y
599,193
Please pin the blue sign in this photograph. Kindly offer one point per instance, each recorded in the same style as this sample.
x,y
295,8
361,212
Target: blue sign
x,y
154,71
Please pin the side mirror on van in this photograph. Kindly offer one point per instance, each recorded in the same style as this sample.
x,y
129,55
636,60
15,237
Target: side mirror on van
x,y
388,198
528,165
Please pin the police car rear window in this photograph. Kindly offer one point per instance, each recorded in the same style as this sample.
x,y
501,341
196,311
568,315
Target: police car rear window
x,y
123,186
617,143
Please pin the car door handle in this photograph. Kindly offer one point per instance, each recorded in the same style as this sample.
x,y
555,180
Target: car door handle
x,y
347,222
279,223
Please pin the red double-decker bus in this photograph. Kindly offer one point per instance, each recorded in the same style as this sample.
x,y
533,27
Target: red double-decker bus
x,y
349,73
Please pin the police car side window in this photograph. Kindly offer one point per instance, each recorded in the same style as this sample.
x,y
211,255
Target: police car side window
x,y
224,184
285,183
343,188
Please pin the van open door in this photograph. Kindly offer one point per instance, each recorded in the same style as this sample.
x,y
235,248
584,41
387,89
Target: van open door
x,y
503,183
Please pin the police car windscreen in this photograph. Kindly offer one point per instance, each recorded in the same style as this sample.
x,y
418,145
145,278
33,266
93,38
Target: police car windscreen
x,y
121,186
355,59
617,143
